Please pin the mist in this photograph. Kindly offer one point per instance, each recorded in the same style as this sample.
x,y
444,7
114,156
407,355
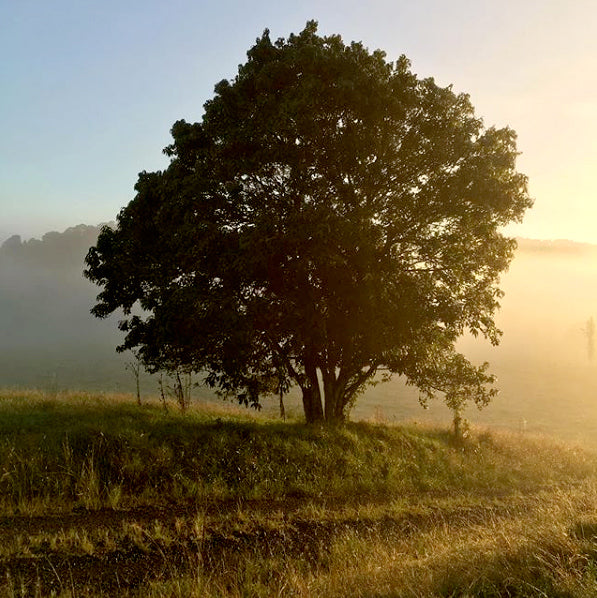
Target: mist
x,y
547,375
546,371
48,339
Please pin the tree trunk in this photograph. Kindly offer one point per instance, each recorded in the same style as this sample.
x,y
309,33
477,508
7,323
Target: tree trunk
x,y
312,406
282,409
334,399
312,396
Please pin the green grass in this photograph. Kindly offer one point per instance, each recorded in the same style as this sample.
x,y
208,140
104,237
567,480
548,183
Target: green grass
x,y
225,502
76,449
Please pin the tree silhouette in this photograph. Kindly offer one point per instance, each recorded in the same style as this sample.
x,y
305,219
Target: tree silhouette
x,y
330,217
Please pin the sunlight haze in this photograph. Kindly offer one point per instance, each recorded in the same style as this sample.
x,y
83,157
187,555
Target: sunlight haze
x,y
91,90
301,358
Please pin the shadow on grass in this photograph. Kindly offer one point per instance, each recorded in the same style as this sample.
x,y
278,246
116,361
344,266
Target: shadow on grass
x,y
99,452
55,417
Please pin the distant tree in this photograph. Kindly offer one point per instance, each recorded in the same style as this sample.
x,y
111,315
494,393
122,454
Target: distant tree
x,y
182,383
459,383
56,252
330,217
134,367
12,244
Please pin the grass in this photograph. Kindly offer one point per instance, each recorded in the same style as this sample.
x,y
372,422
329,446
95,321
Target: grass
x,y
100,497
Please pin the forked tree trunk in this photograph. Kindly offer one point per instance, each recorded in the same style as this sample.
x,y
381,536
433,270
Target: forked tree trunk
x,y
325,404
313,405
328,408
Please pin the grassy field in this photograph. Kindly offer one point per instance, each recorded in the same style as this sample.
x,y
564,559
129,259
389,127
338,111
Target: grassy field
x,y
100,497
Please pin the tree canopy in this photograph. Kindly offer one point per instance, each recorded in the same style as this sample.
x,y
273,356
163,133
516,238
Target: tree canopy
x,y
330,217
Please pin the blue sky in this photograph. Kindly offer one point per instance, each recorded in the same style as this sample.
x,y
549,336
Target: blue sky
x,y
89,90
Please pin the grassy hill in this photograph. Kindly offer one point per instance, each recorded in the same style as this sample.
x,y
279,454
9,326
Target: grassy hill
x,y
99,497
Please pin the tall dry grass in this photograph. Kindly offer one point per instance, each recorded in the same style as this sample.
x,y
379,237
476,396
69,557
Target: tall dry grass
x,y
285,509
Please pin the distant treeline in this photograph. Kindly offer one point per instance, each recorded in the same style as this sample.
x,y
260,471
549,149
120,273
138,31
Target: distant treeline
x,y
555,246
60,252
44,299
46,330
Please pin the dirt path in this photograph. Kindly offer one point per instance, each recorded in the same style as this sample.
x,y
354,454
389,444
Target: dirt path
x,y
126,564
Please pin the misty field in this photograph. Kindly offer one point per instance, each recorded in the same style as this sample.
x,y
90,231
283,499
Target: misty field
x,y
99,497
546,377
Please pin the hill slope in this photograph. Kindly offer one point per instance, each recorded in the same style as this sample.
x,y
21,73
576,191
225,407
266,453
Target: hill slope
x,y
102,498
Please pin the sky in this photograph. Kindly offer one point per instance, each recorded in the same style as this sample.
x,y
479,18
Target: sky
x,y
90,90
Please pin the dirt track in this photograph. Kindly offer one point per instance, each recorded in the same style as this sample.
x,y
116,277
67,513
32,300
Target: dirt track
x,y
126,564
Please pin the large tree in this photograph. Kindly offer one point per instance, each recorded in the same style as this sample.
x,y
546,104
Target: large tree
x,y
331,216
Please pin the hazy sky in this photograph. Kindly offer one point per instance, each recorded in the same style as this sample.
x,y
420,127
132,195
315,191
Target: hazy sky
x,y
89,90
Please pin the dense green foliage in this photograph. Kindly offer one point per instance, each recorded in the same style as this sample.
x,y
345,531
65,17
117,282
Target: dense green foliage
x,y
331,216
